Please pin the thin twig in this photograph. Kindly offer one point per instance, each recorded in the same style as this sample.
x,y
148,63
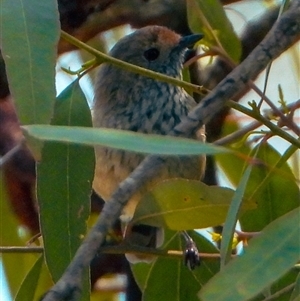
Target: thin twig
x,y
21,250
10,154
286,121
275,129
118,249
255,124
280,292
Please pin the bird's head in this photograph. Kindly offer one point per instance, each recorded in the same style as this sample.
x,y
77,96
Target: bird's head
x,y
156,48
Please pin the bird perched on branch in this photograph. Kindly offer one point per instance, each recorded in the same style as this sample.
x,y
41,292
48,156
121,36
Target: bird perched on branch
x,y
129,101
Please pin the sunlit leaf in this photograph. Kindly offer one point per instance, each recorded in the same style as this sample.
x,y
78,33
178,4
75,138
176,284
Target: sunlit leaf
x,y
208,17
29,284
181,204
232,217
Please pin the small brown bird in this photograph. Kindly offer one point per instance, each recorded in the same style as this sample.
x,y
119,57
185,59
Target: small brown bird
x,y
128,101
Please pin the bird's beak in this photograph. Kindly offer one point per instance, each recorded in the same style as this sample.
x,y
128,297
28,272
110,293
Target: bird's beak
x,y
189,41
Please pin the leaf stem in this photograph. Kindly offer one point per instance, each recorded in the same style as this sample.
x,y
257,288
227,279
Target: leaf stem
x,y
275,129
102,57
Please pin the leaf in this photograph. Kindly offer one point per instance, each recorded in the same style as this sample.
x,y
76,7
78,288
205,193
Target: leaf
x,y
273,188
125,140
232,217
181,204
29,34
268,257
296,291
28,286
208,17
64,182
169,277
227,161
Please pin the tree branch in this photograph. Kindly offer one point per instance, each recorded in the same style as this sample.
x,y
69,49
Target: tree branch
x,y
281,37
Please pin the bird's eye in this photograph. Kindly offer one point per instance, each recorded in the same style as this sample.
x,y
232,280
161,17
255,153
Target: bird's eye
x,y
151,54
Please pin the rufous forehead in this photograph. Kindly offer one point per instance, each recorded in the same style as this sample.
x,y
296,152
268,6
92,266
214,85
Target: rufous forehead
x,y
167,37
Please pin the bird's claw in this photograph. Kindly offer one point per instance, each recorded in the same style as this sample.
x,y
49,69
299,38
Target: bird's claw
x,y
191,255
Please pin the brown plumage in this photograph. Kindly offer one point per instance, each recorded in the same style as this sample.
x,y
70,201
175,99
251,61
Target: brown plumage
x,y
128,101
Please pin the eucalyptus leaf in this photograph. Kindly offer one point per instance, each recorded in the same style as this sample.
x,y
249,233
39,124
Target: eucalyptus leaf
x,y
169,277
29,34
268,186
208,17
125,140
268,257
64,178
27,289
181,204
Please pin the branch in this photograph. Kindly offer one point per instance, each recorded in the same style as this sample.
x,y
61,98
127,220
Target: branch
x,y
102,57
10,154
266,121
254,125
22,250
280,38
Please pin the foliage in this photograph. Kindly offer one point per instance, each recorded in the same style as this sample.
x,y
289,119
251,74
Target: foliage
x,y
265,194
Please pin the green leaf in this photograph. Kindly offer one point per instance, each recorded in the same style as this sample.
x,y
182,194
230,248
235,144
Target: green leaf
x,y
65,174
273,188
28,286
232,217
296,291
181,204
125,140
169,277
29,34
268,257
227,161
208,17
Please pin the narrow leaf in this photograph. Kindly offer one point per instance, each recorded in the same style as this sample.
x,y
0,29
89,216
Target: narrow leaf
x,y
126,140
64,180
268,257
296,291
232,217
28,287
208,17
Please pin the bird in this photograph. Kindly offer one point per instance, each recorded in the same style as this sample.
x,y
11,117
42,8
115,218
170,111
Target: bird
x,y
129,101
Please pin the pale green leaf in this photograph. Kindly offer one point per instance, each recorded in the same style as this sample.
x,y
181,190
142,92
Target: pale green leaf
x,y
181,204
28,287
208,17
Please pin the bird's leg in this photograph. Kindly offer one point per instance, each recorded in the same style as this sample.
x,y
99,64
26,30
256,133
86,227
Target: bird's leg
x,y
191,253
